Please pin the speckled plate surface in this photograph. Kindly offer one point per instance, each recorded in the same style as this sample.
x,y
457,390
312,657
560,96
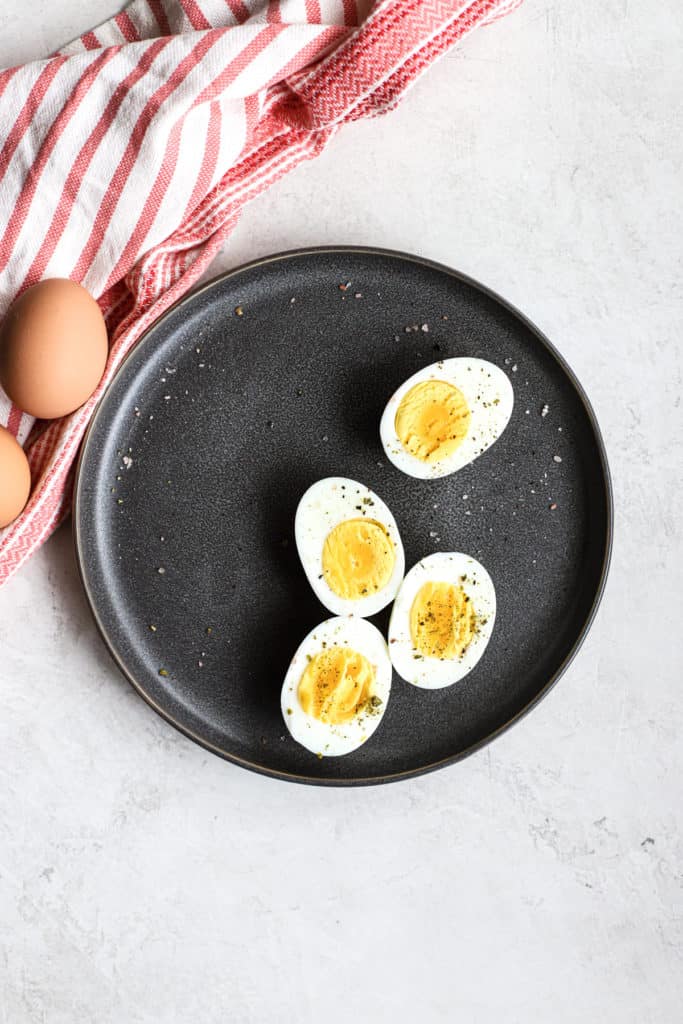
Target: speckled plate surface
x,y
245,393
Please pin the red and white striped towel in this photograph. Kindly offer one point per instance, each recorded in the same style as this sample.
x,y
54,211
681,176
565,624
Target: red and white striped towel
x,y
127,157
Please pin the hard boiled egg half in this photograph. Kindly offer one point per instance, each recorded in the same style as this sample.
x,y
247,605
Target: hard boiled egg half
x,y
349,546
442,620
337,686
445,416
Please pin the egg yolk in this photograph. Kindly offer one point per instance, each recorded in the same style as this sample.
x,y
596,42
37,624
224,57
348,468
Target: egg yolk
x,y
336,685
442,621
432,420
358,558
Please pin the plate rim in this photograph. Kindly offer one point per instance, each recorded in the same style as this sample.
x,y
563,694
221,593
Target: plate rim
x,y
582,633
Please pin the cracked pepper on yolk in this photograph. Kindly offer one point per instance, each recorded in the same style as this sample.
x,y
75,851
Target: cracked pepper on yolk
x,y
358,558
442,621
432,420
336,685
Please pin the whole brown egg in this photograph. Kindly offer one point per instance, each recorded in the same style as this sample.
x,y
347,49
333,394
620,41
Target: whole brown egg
x,y
53,348
15,478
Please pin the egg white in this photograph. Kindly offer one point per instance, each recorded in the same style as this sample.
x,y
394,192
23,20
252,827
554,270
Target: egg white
x,y
324,505
441,567
319,737
490,399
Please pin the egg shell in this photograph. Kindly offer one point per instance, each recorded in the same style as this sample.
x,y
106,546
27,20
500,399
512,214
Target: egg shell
x,y
15,478
490,399
447,567
319,737
53,348
323,506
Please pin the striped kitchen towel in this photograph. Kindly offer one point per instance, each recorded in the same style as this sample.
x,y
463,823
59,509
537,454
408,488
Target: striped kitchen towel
x,y
127,157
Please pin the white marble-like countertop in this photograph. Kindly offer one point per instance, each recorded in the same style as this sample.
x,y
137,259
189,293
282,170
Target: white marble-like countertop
x,y
539,882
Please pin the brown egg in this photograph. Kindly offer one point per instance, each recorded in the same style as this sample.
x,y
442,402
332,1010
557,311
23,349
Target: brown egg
x,y
53,348
15,478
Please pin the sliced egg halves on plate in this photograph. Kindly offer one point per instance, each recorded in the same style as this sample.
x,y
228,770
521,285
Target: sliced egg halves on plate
x,y
349,546
337,686
445,416
442,620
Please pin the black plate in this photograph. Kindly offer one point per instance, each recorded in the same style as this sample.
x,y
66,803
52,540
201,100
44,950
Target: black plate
x,y
245,393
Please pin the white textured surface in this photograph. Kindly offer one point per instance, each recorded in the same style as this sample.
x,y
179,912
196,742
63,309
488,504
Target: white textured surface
x,y
142,880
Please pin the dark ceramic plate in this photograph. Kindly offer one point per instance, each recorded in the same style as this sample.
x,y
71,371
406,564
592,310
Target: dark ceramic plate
x,y
245,393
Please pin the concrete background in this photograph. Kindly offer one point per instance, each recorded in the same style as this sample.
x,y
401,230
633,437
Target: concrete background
x,y
143,880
